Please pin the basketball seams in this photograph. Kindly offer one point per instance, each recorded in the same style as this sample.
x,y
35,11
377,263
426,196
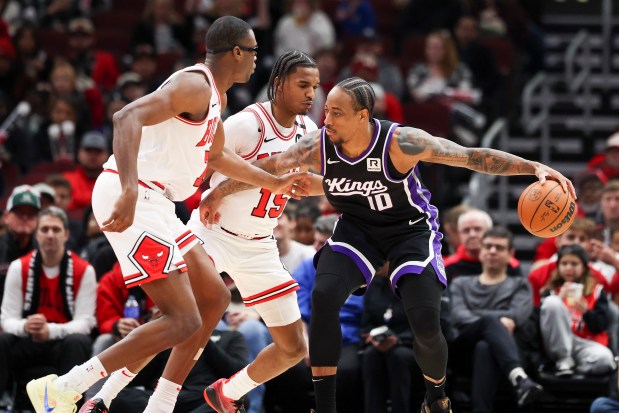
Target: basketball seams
x,y
558,214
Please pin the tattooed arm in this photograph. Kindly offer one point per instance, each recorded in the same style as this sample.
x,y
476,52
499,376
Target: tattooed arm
x,y
417,145
304,154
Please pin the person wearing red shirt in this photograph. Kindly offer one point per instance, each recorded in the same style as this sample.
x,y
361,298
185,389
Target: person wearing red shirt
x,y
48,308
608,161
91,156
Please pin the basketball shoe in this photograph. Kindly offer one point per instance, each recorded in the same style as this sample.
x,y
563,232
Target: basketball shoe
x,y
47,398
439,406
215,398
94,406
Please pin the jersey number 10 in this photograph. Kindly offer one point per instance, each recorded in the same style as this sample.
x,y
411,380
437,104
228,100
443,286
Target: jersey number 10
x,y
380,202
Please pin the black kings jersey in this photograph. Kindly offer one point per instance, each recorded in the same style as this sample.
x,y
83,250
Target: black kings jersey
x,y
369,191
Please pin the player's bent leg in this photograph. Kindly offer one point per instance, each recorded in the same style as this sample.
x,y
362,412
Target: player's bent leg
x,y
212,298
287,349
179,320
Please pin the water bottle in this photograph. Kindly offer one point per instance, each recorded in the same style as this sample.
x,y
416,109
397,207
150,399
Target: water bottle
x,y
132,308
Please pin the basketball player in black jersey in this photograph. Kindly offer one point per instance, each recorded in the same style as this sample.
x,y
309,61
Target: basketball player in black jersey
x,y
370,174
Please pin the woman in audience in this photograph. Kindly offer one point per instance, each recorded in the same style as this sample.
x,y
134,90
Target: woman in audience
x,y
574,316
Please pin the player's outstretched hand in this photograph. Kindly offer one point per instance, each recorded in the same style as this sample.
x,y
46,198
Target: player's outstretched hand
x,y
294,184
544,172
123,213
208,208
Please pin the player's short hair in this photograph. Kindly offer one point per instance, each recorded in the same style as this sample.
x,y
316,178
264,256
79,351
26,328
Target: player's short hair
x,y
500,232
226,32
361,92
286,64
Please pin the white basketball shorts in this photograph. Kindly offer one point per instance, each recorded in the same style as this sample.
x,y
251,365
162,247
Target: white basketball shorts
x,y
156,242
256,269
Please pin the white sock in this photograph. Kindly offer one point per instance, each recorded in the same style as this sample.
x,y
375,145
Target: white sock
x,y
164,397
515,373
114,384
238,385
81,377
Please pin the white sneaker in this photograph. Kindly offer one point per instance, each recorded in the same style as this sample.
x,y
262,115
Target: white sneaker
x,y
565,367
46,398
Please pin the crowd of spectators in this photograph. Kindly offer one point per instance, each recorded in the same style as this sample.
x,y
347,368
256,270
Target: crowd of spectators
x,y
67,66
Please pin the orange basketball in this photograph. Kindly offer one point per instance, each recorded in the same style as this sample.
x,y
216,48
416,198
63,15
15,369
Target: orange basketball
x,y
546,211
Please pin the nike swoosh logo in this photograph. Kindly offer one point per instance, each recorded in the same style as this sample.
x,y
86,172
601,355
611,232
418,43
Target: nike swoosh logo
x,y
46,402
317,380
269,140
330,162
411,222
213,105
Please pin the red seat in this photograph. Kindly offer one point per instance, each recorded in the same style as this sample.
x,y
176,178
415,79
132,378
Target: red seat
x,y
135,6
166,62
430,116
53,42
113,19
113,40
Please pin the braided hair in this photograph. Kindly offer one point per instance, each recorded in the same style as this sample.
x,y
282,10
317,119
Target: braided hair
x,y
284,65
361,92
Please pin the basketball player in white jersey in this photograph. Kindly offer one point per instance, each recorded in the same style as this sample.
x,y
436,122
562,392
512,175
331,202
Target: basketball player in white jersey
x,y
242,244
162,143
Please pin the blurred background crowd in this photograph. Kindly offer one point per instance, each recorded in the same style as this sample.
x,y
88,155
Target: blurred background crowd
x,y
535,78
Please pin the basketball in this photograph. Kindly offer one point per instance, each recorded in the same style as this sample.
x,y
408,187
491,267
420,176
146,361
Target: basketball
x,y
546,211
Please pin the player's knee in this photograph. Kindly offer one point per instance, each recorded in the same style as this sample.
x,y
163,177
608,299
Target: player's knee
x,y
329,294
425,322
186,326
295,350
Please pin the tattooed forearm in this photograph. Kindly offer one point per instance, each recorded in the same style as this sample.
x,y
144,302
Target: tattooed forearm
x,y
306,152
425,147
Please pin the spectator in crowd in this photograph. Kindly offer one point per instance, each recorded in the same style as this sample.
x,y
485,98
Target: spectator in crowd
x,y
609,205
15,142
486,311
353,17
144,63
349,384
90,64
449,227
479,58
305,27
47,194
581,233
63,192
326,59
291,252
589,185
93,152
472,224
305,217
48,306
131,86
443,80
388,361
33,62
20,219
64,81
369,48
607,163
163,27
55,139
115,103
574,316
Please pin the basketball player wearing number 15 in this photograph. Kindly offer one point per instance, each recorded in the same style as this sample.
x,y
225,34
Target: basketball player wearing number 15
x,y
370,174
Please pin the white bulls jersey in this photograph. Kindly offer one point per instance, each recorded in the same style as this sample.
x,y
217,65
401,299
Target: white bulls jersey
x,y
173,154
254,134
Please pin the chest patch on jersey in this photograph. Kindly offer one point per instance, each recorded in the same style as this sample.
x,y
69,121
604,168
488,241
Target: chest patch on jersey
x,y
151,255
347,187
373,164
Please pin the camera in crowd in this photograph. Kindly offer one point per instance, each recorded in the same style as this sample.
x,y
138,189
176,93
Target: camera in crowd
x,y
380,333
